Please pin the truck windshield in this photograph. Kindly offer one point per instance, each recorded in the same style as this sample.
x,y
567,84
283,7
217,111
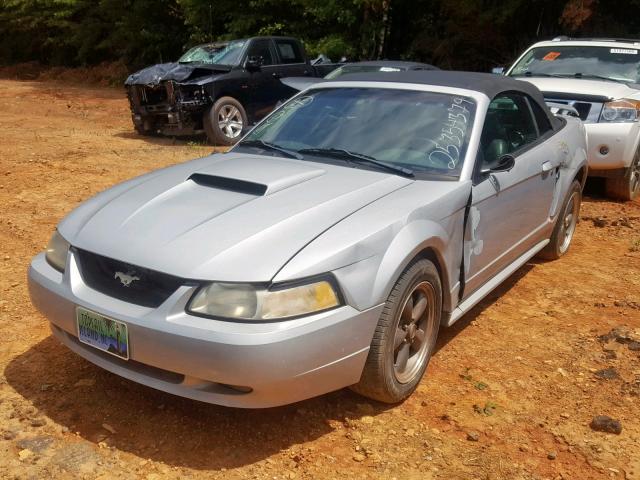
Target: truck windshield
x,y
606,63
226,54
201,53
425,133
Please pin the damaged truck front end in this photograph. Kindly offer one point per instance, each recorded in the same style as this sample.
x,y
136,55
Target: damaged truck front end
x,y
168,108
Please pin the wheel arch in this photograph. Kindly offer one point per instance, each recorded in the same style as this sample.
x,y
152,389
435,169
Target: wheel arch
x,y
581,175
405,249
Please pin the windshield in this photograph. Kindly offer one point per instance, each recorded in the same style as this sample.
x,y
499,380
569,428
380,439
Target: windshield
x,y
222,54
616,64
345,69
425,132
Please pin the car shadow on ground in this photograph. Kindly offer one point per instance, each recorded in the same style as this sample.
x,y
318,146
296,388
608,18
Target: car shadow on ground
x,y
167,141
179,432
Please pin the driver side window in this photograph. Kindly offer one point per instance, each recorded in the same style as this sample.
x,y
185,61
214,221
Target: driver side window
x,y
262,49
508,127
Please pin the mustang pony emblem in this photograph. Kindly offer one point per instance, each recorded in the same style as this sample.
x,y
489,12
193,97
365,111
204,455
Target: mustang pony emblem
x,y
125,278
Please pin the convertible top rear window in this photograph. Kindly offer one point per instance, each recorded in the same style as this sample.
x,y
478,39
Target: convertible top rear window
x,y
426,132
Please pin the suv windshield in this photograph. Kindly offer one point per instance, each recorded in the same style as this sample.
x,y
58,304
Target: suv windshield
x,y
424,133
620,64
222,54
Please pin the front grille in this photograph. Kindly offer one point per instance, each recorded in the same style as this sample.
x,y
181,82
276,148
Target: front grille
x,y
126,282
152,95
589,107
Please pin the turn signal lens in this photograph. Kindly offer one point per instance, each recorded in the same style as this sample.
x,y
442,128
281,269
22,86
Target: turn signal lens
x,y
623,110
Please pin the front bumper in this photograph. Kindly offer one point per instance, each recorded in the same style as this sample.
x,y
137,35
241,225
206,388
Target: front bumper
x,y
618,140
250,365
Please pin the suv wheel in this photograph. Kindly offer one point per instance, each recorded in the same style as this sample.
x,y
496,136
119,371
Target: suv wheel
x,y
627,187
224,120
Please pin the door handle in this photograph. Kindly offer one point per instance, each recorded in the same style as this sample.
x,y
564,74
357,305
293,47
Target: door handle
x,y
276,75
548,166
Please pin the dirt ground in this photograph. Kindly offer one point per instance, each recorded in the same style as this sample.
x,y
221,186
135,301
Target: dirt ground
x,y
510,393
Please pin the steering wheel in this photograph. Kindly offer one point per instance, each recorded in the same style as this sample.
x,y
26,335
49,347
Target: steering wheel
x,y
516,139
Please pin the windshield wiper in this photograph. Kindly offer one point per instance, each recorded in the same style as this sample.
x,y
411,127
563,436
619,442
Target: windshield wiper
x,y
358,158
271,146
600,77
571,75
536,74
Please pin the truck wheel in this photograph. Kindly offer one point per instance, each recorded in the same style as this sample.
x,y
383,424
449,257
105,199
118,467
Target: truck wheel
x,y
565,225
627,187
224,120
405,335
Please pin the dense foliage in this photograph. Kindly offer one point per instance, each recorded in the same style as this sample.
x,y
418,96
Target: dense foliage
x,y
467,34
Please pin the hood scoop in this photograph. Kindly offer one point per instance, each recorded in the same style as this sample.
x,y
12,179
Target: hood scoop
x,y
255,175
230,184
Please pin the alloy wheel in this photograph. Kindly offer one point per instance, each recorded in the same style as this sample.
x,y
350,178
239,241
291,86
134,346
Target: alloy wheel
x,y
569,221
414,331
230,121
634,180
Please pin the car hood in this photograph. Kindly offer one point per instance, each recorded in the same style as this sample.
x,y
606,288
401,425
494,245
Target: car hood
x,y
229,217
179,72
578,86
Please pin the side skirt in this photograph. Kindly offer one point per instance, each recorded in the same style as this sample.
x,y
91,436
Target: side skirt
x,y
483,291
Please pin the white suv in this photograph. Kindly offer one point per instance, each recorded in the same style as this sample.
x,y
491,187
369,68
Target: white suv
x,y
600,79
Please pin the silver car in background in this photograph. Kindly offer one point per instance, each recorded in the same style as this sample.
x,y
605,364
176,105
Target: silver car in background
x,y
324,250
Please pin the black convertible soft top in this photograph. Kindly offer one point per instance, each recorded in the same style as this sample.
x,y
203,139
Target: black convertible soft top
x,y
488,83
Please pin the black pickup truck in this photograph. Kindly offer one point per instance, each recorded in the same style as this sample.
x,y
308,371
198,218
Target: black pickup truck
x,y
219,88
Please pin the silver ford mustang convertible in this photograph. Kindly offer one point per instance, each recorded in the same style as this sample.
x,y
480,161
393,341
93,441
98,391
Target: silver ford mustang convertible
x,y
324,250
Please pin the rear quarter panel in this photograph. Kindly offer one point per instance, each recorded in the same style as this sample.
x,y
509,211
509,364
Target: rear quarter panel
x,y
570,143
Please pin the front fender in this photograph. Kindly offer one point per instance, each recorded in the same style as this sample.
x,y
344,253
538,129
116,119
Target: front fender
x,y
368,282
419,236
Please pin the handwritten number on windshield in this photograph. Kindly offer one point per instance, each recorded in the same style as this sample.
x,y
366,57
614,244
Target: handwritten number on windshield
x,y
452,135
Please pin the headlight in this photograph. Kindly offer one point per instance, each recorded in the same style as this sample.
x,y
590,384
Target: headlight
x,y
56,253
623,110
247,302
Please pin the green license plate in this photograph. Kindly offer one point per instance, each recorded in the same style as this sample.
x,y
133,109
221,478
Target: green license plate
x,y
103,333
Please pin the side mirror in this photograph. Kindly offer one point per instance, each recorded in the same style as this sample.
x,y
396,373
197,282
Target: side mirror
x,y
498,70
506,163
253,63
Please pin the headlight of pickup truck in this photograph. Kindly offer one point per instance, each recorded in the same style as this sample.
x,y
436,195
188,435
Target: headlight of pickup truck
x,y
236,301
623,110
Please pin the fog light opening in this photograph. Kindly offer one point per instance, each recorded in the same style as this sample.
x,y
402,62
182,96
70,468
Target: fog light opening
x,y
604,150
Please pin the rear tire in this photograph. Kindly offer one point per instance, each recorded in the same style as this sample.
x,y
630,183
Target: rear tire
x,y
565,226
405,336
627,187
224,120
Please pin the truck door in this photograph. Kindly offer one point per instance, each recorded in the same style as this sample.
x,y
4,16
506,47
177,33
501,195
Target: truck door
x,y
291,63
263,81
509,212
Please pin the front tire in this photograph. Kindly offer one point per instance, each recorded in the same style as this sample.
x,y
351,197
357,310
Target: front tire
x,y
405,336
565,226
627,187
224,120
